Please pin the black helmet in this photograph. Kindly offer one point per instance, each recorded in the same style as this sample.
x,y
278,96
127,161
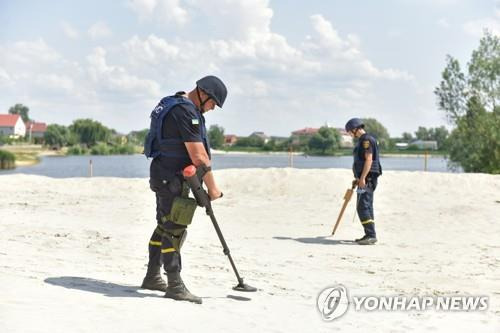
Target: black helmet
x,y
353,124
213,87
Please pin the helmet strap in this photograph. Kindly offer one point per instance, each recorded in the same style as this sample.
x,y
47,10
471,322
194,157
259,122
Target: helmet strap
x,y
202,103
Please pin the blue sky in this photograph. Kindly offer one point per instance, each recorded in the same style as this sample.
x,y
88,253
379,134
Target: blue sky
x,y
287,64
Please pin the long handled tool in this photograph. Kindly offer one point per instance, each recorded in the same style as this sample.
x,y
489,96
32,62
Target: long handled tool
x,y
193,177
347,198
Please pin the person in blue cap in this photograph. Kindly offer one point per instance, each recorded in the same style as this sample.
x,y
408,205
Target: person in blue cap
x,y
366,169
178,138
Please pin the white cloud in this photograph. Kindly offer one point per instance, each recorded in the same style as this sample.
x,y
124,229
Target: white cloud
x,y
476,27
115,79
99,30
230,19
69,31
5,79
328,36
327,76
160,10
432,3
443,23
342,57
4,76
24,52
153,50
55,83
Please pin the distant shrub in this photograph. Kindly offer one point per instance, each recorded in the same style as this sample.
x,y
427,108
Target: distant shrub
x,y
7,160
127,149
77,150
100,149
103,148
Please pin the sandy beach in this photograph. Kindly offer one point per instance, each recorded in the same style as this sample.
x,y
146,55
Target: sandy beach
x,y
73,253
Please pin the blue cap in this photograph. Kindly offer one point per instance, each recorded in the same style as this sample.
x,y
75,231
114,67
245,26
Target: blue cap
x,y
353,124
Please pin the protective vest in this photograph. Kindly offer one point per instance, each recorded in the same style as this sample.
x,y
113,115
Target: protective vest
x,y
155,145
359,158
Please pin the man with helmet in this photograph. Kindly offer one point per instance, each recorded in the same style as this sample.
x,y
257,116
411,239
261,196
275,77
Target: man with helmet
x,y
366,169
177,138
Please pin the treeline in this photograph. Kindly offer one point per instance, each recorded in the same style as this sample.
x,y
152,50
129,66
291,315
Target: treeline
x,y
325,142
87,136
328,140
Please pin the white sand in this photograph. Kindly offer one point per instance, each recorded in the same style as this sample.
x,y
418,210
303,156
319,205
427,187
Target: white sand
x,y
73,251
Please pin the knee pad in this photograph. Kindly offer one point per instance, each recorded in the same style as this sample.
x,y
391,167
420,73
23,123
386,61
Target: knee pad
x,y
178,238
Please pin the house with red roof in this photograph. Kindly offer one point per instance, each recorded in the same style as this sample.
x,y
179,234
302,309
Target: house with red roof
x,y
308,131
230,139
12,125
345,138
35,130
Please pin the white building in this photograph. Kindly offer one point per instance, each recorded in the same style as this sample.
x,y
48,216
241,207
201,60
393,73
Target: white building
x,y
345,139
425,144
12,125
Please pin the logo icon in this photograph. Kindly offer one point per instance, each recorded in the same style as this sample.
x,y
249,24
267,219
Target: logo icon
x,y
158,109
333,302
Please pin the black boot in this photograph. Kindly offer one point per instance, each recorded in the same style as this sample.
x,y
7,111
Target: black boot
x,y
366,240
178,291
153,280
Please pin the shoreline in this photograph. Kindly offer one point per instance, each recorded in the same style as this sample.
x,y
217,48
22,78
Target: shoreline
x,y
222,152
31,155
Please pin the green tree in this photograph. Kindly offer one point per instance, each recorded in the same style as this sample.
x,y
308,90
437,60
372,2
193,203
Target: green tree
x,y
423,133
471,103
57,136
474,143
325,142
375,128
89,132
452,93
250,141
137,137
484,71
440,135
21,110
216,136
407,137
270,145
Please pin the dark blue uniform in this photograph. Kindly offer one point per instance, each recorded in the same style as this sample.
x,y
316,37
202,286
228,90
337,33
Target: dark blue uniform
x,y
367,144
183,123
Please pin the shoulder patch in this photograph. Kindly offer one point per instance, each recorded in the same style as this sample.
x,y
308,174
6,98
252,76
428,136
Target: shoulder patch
x,y
366,144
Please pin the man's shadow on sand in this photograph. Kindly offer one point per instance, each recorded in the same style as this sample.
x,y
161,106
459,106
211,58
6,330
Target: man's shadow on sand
x,y
110,289
324,240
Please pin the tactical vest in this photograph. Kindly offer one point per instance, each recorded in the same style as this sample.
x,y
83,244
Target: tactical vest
x,y
359,159
155,145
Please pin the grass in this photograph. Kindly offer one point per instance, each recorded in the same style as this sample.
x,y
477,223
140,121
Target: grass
x,y
27,154
7,160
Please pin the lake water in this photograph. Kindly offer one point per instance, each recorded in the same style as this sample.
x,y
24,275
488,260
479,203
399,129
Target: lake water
x,y
132,166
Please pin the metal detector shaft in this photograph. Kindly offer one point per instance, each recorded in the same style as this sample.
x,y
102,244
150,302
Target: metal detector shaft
x,y
223,242
347,198
192,177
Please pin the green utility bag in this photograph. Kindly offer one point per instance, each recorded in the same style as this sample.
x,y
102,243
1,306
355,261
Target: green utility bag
x,y
182,211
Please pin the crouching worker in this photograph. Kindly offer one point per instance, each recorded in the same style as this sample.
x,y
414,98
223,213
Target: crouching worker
x,y
366,170
178,138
